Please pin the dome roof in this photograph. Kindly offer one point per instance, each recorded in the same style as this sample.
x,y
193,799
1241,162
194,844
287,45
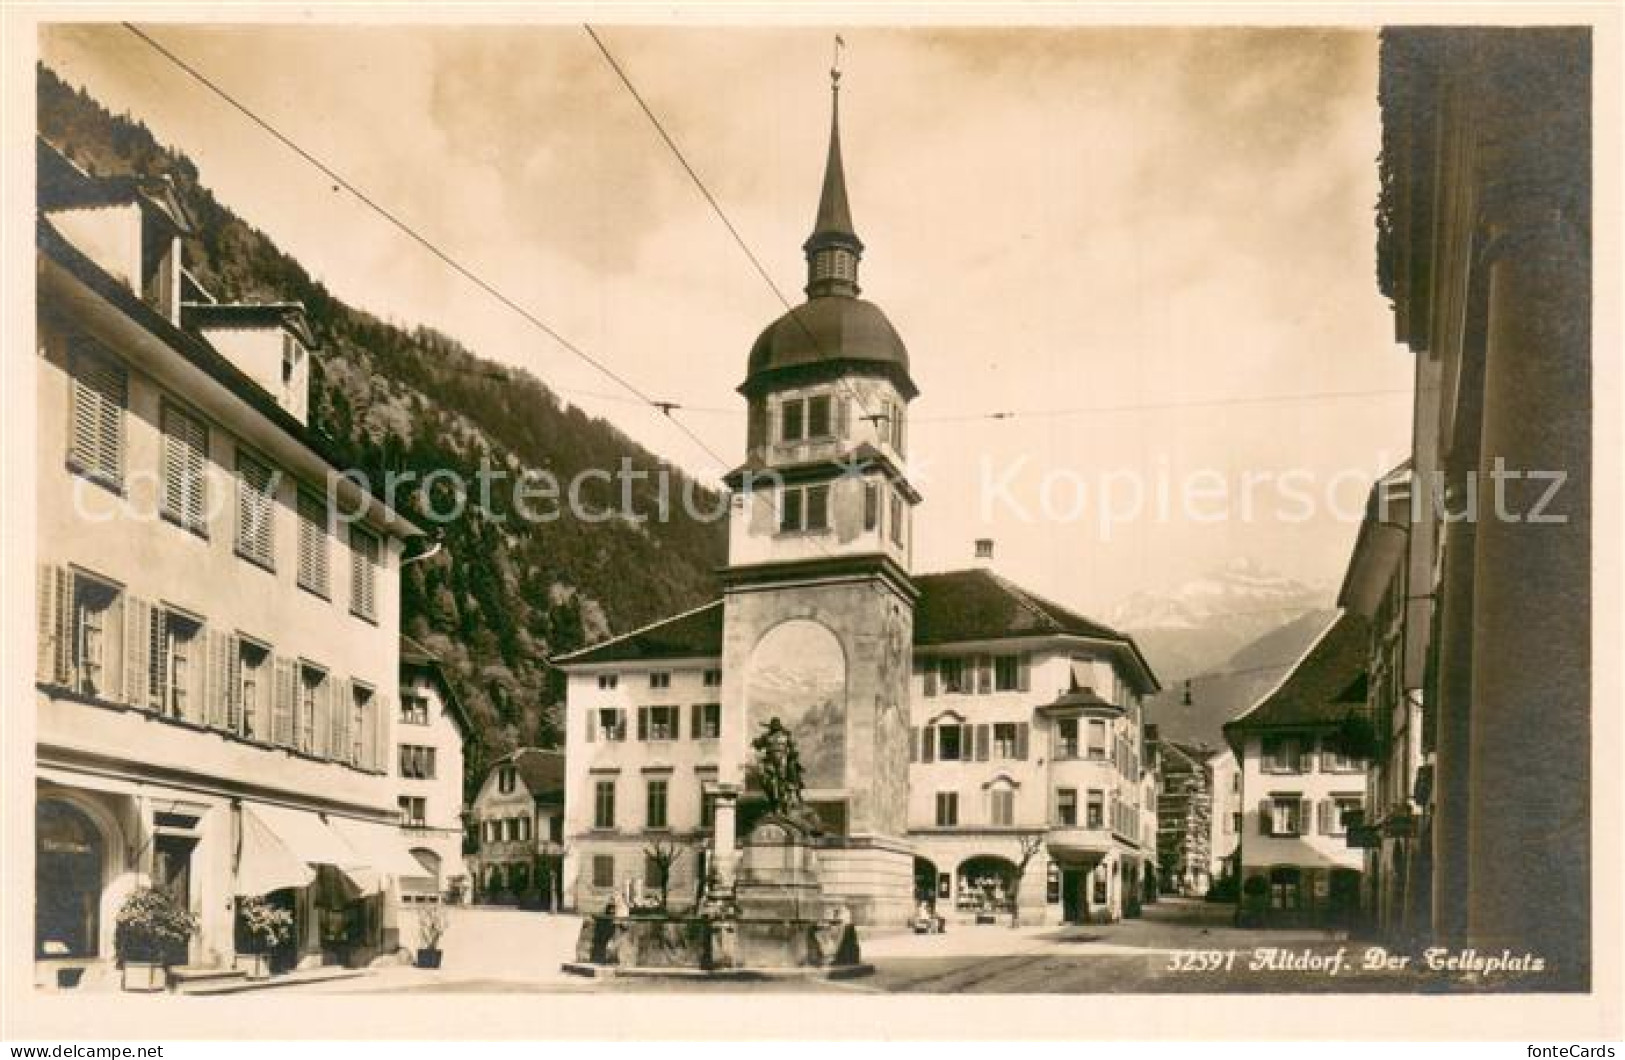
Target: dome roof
x,y
823,333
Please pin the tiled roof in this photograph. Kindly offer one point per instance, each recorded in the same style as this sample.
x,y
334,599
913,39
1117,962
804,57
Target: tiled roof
x,y
953,607
979,605
541,769
1321,688
416,656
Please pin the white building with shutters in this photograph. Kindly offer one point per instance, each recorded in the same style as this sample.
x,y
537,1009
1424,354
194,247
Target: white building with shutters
x,y
1300,787
218,611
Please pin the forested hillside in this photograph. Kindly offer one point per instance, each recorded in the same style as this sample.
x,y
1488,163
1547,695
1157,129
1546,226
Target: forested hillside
x,y
502,596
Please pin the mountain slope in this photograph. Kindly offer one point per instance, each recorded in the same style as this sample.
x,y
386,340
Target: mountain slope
x,y
504,594
1197,626
1224,691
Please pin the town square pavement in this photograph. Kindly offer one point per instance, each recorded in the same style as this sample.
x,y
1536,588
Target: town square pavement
x,y
499,950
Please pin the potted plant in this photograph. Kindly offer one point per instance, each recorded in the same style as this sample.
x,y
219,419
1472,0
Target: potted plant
x,y
432,925
267,927
151,932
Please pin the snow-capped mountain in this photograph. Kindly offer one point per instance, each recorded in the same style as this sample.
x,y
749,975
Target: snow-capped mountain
x,y
1196,626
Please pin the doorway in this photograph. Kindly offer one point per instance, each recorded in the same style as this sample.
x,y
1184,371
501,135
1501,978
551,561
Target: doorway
x,y
1073,908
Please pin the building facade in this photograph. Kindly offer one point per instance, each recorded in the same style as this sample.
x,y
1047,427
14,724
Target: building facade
x,y
1185,808
1224,836
431,730
1484,248
1300,784
216,670
517,822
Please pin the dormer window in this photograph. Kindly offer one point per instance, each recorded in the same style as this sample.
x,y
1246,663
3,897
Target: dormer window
x,y
506,780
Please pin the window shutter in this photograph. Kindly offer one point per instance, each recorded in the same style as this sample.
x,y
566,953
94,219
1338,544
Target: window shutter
x,y
592,724
55,624
234,685
99,395
843,417
643,723
930,666
914,744
1306,817
255,507
219,678
137,652
984,675
1022,732
1266,817
282,706
158,661
1024,672
186,443
1328,819
981,743
379,708
313,543
696,723
928,749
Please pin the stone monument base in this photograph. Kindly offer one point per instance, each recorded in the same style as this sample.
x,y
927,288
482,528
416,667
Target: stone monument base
x,y
873,876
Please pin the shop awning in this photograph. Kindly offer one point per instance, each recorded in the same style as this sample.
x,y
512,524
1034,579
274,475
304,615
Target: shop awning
x,y
382,850
277,839
266,863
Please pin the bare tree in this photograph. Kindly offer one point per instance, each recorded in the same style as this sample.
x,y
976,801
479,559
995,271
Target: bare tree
x,y
1031,844
661,856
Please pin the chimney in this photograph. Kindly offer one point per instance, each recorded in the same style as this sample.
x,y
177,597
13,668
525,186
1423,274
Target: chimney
x,y
984,552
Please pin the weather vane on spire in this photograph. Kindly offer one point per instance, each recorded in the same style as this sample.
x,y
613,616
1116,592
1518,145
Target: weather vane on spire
x,y
835,68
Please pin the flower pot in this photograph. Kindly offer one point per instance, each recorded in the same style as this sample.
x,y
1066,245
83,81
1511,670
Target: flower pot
x,y
428,958
141,977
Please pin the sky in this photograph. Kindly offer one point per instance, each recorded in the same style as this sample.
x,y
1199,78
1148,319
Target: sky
x,y
1168,229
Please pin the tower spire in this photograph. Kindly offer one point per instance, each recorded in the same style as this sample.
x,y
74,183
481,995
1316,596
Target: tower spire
x,y
834,248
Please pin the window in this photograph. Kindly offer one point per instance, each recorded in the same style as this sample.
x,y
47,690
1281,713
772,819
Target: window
x,y
256,504
100,391
658,723
176,663
871,505
414,708
608,723
1286,888
1066,807
1284,816
603,870
950,743
804,509
1233,824
952,672
660,679
417,763
603,804
362,750
1281,754
897,519
707,721
253,662
708,808
1335,812
185,449
363,573
1333,759
1066,738
1095,810
1010,741
1002,807
793,420
97,635
1097,738
655,803
806,418
607,682
712,679
414,810
947,809
312,690
313,544
507,780
1006,673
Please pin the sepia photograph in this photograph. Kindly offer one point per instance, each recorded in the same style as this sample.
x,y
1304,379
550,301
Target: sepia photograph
x,y
508,508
